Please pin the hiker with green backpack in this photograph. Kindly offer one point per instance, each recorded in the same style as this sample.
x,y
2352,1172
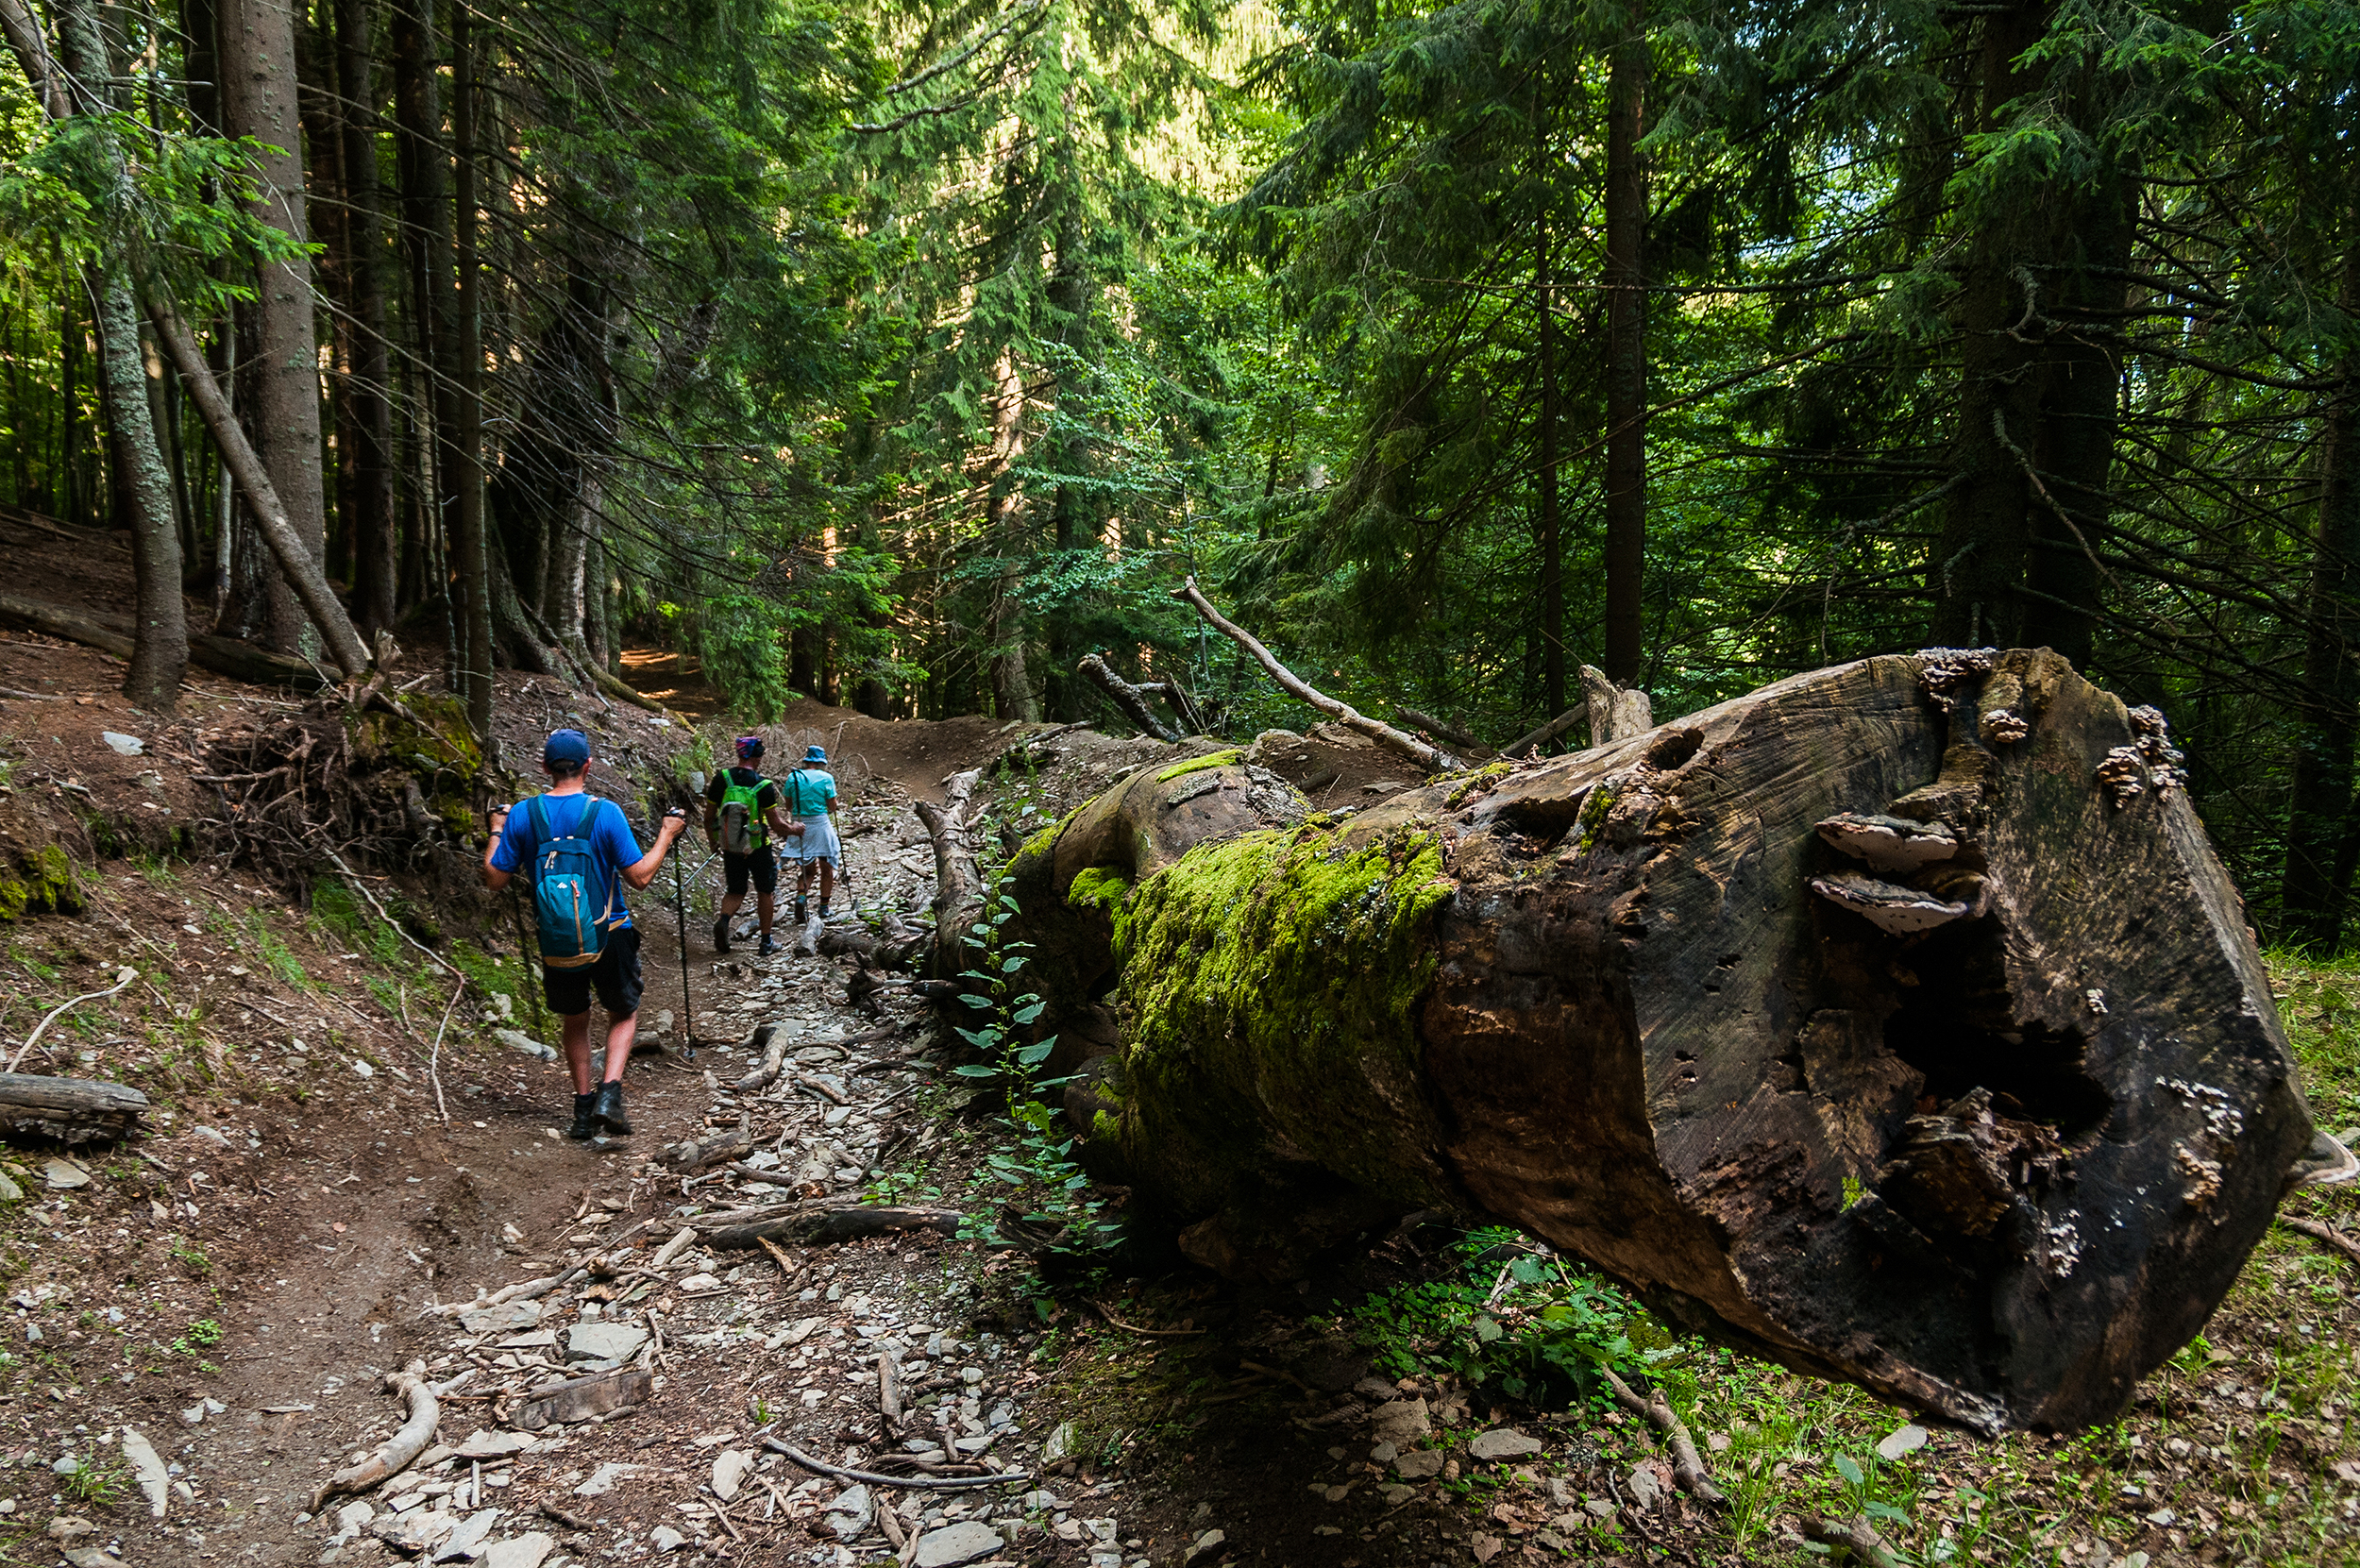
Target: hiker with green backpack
x,y
577,847
742,810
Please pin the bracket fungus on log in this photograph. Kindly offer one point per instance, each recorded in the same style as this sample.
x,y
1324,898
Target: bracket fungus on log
x,y
1894,1021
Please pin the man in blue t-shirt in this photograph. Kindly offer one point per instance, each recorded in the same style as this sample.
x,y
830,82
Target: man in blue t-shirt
x,y
573,812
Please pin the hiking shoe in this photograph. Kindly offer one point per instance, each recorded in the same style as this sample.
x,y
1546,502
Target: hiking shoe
x,y
586,1121
721,934
802,910
609,1109
768,947
826,913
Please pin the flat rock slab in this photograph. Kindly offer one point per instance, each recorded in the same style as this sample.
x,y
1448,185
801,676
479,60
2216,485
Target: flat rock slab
x,y
729,1472
505,1317
147,1468
61,1175
466,1541
955,1543
494,1446
602,1479
1402,1422
603,1341
1419,1463
522,1551
581,1399
1504,1442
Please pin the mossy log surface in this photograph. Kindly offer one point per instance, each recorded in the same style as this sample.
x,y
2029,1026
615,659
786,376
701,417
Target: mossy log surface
x,y
1895,1022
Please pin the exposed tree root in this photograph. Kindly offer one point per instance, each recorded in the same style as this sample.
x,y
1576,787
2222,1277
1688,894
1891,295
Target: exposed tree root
x,y
1688,1466
395,1454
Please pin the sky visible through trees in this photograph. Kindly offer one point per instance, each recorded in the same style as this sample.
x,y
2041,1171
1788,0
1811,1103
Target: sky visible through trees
x,y
905,355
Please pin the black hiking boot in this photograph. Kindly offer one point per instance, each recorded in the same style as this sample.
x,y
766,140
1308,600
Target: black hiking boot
x,y
585,1123
721,934
609,1109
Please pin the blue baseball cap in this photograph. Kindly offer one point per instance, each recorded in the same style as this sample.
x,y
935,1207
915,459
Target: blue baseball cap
x,y
566,746
815,753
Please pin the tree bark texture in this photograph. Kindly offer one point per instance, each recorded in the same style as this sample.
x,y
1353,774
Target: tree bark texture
x,y
470,562
259,100
1895,1023
2315,886
376,540
1627,353
159,655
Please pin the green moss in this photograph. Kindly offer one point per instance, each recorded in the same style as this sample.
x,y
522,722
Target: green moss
x,y
1476,783
1283,974
430,737
1198,764
38,882
1593,812
1106,889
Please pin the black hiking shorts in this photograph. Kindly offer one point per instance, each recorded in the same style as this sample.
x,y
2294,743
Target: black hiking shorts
x,y
615,977
761,867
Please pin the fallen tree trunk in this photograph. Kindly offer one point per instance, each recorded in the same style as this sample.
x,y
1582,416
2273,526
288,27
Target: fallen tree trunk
x,y
71,1110
110,632
1895,1023
835,1224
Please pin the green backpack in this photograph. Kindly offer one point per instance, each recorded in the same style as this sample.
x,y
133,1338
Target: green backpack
x,y
742,829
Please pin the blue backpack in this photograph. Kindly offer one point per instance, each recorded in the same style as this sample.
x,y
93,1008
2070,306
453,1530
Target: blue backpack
x,y
565,877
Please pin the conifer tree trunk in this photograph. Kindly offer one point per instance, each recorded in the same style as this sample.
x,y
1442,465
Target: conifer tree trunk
x,y
159,651
426,224
2081,412
375,542
469,551
259,100
1626,352
2314,888
1552,539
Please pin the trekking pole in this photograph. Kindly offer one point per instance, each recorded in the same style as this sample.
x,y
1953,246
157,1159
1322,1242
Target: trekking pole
x,y
688,1002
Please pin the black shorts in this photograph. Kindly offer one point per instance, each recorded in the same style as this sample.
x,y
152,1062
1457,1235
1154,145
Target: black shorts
x,y
615,976
761,866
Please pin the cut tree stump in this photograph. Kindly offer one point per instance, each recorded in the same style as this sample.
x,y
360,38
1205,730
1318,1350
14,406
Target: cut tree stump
x,y
1895,1023
71,1110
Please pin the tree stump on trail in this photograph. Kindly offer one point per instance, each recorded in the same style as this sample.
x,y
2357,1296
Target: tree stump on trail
x,y
1895,1023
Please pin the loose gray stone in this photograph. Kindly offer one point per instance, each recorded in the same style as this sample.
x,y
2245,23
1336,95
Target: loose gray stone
x,y
466,1541
493,1445
1419,1463
955,1543
503,1319
603,1341
1402,1422
1504,1442
1206,1545
523,1551
148,1470
602,1479
666,1539
729,1472
852,1513
1645,1490
63,1173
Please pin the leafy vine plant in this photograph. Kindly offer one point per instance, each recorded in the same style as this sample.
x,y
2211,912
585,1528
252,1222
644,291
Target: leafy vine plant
x,y
1050,1189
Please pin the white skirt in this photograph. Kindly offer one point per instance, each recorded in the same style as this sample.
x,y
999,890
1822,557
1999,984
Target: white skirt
x,y
818,842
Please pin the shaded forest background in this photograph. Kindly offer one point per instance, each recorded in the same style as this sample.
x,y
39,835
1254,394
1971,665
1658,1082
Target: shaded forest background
x,y
903,354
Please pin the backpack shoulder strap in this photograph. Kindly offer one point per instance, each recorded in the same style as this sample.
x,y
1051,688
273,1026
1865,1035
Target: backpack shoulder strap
x,y
537,812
